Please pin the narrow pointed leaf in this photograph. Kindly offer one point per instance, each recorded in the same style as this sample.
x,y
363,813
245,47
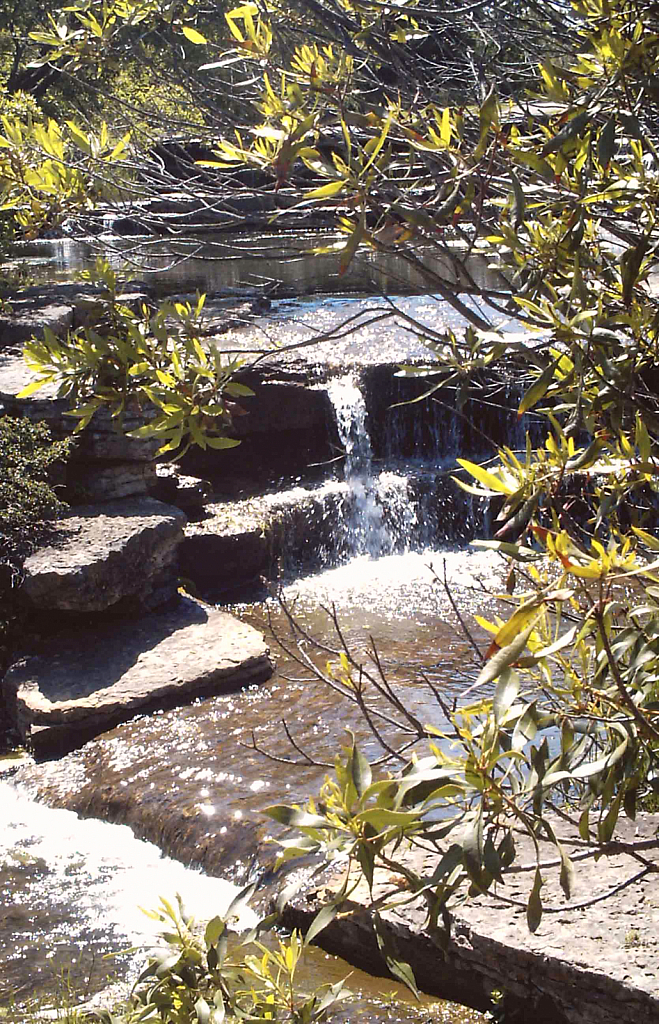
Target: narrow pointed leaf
x,y
534,908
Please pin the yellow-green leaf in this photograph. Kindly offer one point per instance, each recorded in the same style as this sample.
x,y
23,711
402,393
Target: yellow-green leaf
x,y
489,480
193,36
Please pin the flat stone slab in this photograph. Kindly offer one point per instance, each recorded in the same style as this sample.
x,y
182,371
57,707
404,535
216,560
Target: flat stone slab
x,y
592,960
103,555
28,318
89,680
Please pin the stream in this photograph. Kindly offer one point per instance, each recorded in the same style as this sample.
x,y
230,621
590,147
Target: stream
x,y
86,838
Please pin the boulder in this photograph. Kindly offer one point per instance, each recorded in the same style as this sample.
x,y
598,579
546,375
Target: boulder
x,y
119,555
86,682
27,317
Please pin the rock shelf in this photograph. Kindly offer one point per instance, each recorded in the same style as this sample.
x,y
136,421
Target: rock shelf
x,y
119,556
90,680
592,960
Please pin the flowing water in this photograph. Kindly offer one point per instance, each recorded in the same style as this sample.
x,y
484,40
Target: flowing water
x,y
194,780
190,780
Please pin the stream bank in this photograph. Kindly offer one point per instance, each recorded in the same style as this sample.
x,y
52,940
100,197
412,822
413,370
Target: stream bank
x,y
592,960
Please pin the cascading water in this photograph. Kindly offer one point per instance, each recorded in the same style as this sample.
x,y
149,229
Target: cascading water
x,y
365,524
402,499
72,895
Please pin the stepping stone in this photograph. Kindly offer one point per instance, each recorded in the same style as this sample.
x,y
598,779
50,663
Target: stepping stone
x,y
87,681
119,555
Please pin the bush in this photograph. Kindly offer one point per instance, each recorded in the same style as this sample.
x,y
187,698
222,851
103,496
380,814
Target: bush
x,y
28,458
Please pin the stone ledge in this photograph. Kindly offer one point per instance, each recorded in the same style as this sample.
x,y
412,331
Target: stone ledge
x,y
102,555
86,682
594,964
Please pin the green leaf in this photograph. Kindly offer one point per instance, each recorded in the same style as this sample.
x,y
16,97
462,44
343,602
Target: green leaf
x,y
505,694
323,918
202,1011
397,967
526,729
534,907
567,872
584,830
221,442
218,1012
238,390
507,655
214,929
539,389
352,245
573,128
488,115
35,385
381,818
647,538
240,901
360,770
295,817
472,848
519,552
489,480
519,202
325,191
606,143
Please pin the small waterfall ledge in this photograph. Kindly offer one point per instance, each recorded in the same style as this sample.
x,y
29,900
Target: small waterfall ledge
x,y
371,505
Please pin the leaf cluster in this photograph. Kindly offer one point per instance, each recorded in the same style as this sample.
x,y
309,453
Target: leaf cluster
x,y
28,456
150,363
216,976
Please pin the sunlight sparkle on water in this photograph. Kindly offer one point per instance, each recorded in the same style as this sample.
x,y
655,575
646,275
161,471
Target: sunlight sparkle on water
x,y
397,586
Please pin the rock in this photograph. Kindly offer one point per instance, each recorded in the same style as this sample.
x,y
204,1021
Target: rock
x,y
87,682
92,482
186,492
28,317
582,965
241,541
90,309
288,427
120,555
282,406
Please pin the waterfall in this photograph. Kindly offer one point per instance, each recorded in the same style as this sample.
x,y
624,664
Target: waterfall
x,y
365,526
393,506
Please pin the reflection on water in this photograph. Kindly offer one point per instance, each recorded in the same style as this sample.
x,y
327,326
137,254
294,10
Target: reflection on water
x,y
282,261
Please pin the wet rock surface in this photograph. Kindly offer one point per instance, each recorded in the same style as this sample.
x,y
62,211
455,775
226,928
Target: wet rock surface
x,y
592,960
118,555
87,681
240,542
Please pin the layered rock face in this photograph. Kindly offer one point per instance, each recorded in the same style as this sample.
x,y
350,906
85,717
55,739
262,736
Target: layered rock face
x,y
108,634
119,556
